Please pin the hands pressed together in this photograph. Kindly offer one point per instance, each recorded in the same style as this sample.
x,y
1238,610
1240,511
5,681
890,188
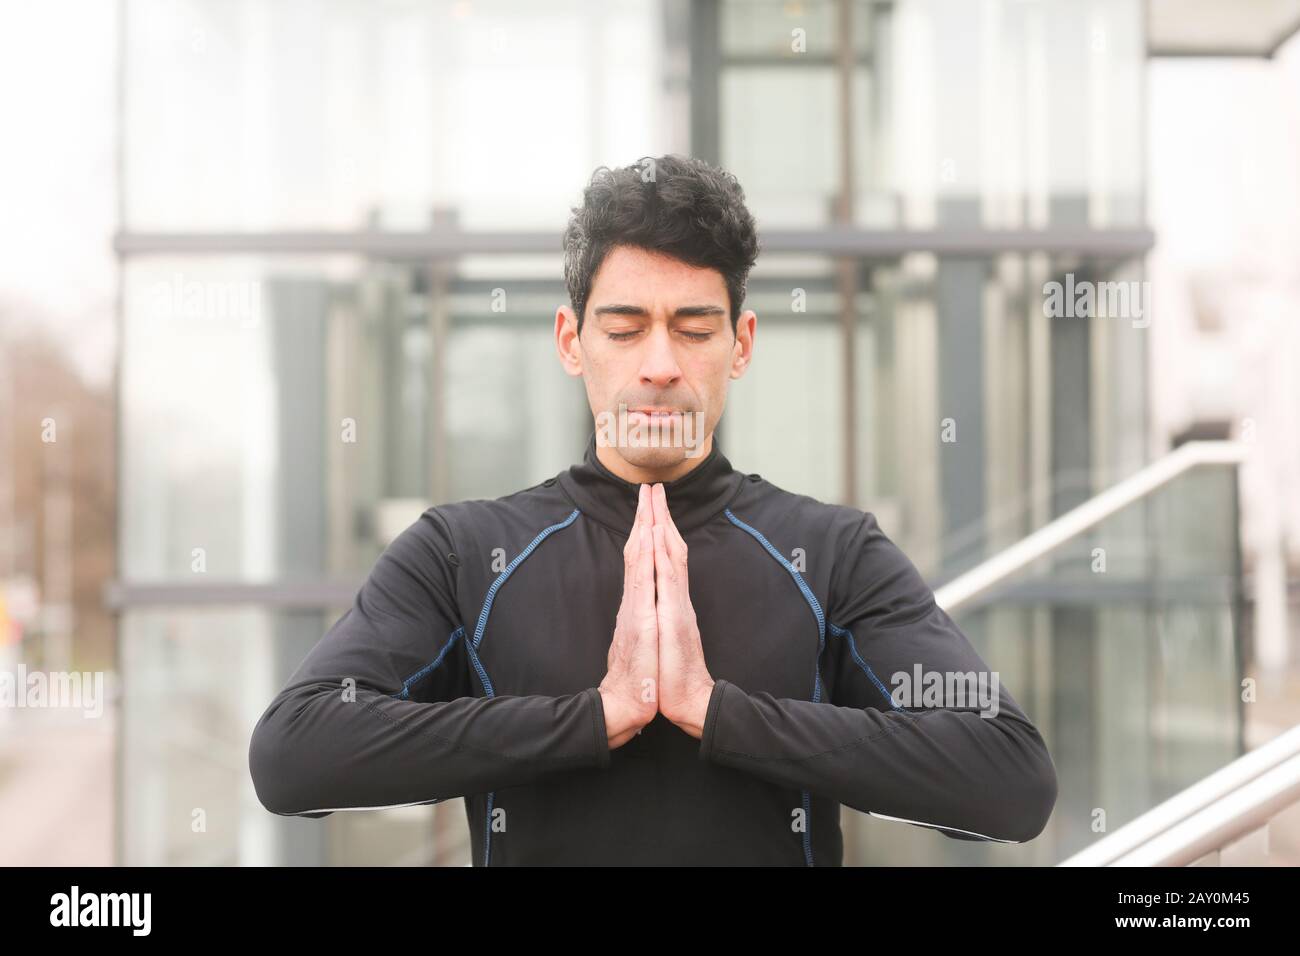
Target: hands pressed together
x,y
656,661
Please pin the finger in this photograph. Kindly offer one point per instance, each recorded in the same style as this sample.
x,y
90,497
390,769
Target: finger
x,y
674,542
631,552
645,591
674,536
632,549
665,571
663,518
659,503
645,506
645,520
672,527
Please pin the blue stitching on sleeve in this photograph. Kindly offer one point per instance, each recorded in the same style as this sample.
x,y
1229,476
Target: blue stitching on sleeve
x,y
501,578
866,668
798,578
472,646
405,692
821,642
478,666
853,649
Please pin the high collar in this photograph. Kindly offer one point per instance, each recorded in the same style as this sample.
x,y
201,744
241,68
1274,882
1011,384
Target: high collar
x,y
693,499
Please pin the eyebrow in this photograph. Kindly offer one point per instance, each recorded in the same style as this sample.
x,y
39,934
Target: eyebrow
x,y
685,311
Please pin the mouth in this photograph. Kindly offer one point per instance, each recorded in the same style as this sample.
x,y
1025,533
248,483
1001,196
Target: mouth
x,y
651,411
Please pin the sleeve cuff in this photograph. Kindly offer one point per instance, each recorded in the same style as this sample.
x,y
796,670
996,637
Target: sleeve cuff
x,y
598,722
711,718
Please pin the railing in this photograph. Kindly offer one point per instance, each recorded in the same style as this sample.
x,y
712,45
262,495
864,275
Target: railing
x,y
985,576
1118,626
1222,811
1227,813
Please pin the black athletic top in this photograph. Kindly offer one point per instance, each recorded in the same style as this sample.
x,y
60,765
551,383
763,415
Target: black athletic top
x,y
468,666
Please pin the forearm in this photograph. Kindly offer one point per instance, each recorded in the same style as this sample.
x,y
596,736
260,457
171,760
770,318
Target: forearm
x,y
953,769
315,750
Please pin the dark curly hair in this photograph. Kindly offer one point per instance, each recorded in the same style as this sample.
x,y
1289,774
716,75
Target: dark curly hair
x,y
677,205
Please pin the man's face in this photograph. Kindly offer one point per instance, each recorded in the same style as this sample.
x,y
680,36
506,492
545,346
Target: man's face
x,y
657,338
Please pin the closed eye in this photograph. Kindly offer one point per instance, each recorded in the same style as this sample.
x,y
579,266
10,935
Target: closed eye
x,y
693,336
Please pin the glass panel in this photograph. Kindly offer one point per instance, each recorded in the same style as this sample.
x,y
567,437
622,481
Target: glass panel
x,y
788,168
1122,647
514,417
1002,115
256,394
284,418
1045,411
782,29
244,115
784,417
195,683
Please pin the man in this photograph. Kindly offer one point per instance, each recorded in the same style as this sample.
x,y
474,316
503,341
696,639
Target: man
x,y
596,696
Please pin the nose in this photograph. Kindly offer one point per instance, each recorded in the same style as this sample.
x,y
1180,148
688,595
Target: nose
x,y
658,362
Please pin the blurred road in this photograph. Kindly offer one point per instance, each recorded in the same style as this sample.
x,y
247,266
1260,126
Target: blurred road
x,y
56,788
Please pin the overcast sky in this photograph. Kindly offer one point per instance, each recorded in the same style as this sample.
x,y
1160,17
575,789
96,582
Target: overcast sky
x,y
57,89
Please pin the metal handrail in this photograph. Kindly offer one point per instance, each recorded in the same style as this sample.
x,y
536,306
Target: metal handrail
x,y
1210,814
988,574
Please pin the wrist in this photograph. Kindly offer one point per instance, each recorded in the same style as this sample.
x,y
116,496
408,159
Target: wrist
x,y
691,715
622,720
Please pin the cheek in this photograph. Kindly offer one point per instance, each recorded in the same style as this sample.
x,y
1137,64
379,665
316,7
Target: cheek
x,y
603,376
708,374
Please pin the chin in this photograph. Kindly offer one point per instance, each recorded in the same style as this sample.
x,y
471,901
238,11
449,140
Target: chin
x,y
652,458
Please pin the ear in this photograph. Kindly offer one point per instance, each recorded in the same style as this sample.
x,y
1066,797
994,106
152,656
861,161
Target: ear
x,y
743,350
567,343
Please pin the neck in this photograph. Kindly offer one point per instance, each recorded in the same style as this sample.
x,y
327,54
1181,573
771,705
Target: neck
x,y
620,466
699,495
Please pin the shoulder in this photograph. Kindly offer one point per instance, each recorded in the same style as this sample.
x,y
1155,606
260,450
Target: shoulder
x,y
860,557
502,522
761,504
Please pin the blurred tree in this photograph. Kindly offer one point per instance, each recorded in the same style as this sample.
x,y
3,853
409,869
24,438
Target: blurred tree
x,y
58,499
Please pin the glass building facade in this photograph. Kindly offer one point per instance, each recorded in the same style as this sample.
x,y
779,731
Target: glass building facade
x,y
340,249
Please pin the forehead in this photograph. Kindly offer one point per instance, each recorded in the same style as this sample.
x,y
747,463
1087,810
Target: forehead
x,y
630,273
